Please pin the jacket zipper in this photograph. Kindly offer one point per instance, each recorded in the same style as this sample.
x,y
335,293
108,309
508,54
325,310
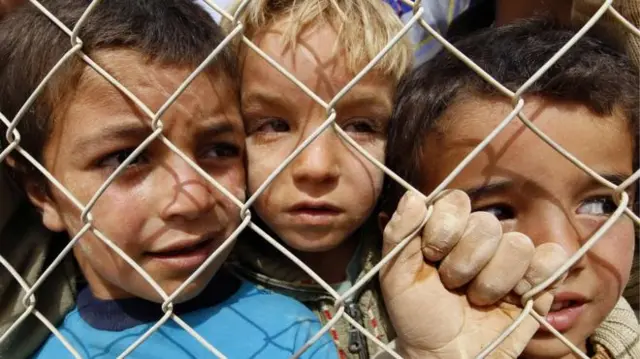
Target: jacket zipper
x,y
357,341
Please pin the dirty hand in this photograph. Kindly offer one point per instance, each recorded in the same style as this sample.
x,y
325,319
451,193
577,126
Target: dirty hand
x,y
460,307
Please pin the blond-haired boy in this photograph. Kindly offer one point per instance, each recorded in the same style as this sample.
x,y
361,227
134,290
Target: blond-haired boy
x,y
318,206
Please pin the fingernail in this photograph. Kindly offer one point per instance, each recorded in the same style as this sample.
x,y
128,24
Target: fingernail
x,y
522,287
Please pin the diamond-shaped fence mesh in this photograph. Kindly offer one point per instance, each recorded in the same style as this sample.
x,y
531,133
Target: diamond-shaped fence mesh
x,y
76,50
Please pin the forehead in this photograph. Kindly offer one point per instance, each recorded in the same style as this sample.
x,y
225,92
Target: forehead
x,y
314,58
153,84
604,143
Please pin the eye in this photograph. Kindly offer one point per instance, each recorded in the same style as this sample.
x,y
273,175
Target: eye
x,y
502,211
598,206
359,125
115,159
272,125
222,150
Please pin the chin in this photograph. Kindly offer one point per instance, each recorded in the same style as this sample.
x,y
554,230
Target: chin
x,y
548,348
189,292
313,246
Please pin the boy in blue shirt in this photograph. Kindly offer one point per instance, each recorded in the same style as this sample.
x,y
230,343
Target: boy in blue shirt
x,y
159,211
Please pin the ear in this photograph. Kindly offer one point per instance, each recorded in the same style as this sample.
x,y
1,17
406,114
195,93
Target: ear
x,y
51,216
383,219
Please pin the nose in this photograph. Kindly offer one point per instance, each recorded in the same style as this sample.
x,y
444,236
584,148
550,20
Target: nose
x,y
187,194
318,163
550,223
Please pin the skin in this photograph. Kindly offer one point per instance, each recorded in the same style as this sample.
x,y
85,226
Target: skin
x,y
508,11
534,190
279,116
8,5
472,294
158,200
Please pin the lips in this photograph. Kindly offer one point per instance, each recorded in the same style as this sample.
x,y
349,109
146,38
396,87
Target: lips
x,y
181,248
314,213
315,207
565,311
185,255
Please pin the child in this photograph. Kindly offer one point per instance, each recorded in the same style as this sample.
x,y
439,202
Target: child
x,y
159,211
588,103
319,205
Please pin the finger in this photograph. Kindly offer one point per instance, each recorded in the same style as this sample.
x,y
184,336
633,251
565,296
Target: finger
x,y
446,225
547,259
400,273
408,215
503,272
474,250
516,342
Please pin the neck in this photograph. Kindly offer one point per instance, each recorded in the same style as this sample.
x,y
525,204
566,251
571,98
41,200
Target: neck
x,y
331,265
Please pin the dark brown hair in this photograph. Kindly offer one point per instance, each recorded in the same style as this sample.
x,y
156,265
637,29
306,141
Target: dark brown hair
x,y
171,32
591,73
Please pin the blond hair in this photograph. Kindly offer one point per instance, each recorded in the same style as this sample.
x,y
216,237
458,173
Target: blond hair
x,y
364,28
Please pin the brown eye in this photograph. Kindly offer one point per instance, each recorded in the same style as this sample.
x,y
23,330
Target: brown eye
x,y
272,125
502,211
115,159
598,206
222,150
359,126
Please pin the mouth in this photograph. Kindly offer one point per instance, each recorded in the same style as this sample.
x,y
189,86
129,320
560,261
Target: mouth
x,y
314,213
181,249
565,311
184,255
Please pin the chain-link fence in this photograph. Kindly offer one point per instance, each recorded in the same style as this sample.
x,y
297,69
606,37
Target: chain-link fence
x,y
76,50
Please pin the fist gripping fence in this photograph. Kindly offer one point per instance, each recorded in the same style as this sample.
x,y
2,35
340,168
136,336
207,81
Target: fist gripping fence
x,y
14,137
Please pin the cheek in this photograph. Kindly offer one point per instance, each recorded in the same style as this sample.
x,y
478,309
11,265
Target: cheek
x,y
614,252
259,166
121,214
371,173
362,179
234,180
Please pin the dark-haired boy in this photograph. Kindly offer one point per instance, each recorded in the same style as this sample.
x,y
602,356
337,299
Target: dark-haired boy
x,y
159,211
588,103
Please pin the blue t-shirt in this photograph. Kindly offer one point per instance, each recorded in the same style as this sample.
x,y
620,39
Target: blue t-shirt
x,y
250,323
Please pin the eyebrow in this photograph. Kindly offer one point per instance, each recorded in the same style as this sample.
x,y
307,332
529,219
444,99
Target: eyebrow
x,y
352,100
138,132
120,131
257,98
503,185
365,99
488,189
213,130
615,178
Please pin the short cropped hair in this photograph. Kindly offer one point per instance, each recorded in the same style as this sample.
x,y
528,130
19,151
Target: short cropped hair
x,y
364,28
170,32
591,73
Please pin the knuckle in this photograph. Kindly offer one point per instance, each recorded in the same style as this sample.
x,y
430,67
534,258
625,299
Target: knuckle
x,y
458,272
519,242
486,291
457,198
443,226
484,224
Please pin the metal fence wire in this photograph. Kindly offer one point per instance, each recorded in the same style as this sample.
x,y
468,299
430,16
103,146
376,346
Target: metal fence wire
x,y
14,148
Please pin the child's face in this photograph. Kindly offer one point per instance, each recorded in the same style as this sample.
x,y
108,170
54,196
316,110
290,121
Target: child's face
x,y
534,190
159,211
329,190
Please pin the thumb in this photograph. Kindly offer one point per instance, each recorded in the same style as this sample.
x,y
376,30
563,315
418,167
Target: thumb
x,y
408,262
